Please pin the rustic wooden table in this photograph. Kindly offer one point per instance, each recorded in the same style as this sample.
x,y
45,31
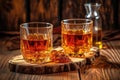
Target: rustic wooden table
x,y
105,67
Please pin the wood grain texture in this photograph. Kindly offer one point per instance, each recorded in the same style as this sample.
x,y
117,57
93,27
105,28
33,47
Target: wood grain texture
x,y
18,64
75,9
44,10
12,13
5,73
105,67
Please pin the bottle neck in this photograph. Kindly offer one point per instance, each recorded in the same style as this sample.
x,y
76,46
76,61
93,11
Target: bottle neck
x,y
92,10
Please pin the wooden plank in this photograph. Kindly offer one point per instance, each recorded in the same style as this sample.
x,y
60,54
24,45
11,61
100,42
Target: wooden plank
x,y
75,9
107,66
18,64
101,69
59,76
5,74
45,10
12,14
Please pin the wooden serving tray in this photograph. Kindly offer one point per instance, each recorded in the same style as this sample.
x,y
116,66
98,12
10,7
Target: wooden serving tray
x,y
18,64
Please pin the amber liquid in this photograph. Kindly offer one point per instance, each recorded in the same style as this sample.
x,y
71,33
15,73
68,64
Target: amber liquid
x,y
76,44
97,38
35,48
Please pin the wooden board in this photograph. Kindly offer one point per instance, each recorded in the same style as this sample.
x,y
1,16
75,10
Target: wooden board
x,y
18,64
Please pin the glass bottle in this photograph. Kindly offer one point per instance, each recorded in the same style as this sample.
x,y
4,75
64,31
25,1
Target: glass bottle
x,y
92,12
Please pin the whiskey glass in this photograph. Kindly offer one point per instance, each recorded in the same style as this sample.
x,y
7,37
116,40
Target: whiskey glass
x,y
76,36
36,41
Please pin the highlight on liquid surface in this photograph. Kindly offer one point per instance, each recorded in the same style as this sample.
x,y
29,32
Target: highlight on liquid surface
x,y
35,48
76,42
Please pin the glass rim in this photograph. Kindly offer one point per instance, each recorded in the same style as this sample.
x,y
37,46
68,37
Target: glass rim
x,y
35,23
92,4
80,23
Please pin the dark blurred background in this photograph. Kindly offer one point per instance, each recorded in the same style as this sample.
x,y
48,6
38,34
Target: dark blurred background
x,y
15,12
